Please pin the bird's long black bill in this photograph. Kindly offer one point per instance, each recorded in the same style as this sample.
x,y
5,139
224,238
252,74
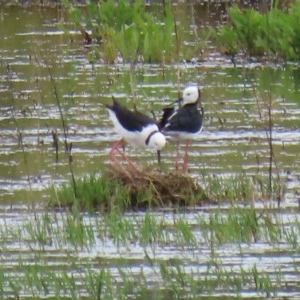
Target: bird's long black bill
x,y
159,159
178,100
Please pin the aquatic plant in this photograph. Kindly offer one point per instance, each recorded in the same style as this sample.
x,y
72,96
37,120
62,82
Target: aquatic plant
x,y
216,277
274,188
126,28
232,188
184,234
241,187
93,193
12,96
239,225
72,278
242,225
118,228
275,33
176,281
40,230
117,191
99,283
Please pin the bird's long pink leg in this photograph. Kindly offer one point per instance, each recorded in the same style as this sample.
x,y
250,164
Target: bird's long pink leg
x,y
114,159
185,157
112,156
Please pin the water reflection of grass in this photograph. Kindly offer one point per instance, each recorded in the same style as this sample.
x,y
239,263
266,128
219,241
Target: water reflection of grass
x,y
62,255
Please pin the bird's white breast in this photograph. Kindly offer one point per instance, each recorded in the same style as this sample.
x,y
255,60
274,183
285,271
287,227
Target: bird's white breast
x,y
134,138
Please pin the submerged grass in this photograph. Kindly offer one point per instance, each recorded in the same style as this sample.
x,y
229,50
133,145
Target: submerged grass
x,y
237,187
189,270
175,281
241,187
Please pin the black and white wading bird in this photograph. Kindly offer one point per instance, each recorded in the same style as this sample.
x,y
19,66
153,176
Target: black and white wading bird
x,y
185,123
137,129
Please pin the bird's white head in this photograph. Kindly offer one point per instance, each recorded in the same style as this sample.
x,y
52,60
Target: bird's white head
x,y
157,141
191,95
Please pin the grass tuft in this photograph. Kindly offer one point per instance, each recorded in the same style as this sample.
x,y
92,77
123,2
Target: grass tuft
x,y
117,190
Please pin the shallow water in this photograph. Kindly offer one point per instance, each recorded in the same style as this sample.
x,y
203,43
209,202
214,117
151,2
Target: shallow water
x,y
234,139
278,261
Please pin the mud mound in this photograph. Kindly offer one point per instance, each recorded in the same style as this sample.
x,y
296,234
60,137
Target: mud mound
x,y
152,188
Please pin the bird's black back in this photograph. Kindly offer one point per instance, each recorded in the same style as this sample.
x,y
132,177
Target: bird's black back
x,y
187,119
131,121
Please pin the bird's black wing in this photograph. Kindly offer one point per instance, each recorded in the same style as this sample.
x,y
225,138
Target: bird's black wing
x,y
187,119
167,113
132,121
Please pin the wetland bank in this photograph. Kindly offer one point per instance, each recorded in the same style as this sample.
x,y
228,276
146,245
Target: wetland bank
x,y
244,245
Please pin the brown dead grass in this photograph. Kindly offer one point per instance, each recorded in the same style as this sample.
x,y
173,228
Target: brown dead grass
x,y
156,189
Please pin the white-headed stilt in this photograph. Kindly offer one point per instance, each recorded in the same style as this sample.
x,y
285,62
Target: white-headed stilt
x,y
185,123
137,129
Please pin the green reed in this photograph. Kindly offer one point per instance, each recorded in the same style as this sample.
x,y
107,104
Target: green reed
x,y
94,192
184,234
291,235
75,277
233,225
241,225
129,29
105,194
216,278
149,230
78,233
99,283
255,33
237,187
40,229
263,282
241,187
118,228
